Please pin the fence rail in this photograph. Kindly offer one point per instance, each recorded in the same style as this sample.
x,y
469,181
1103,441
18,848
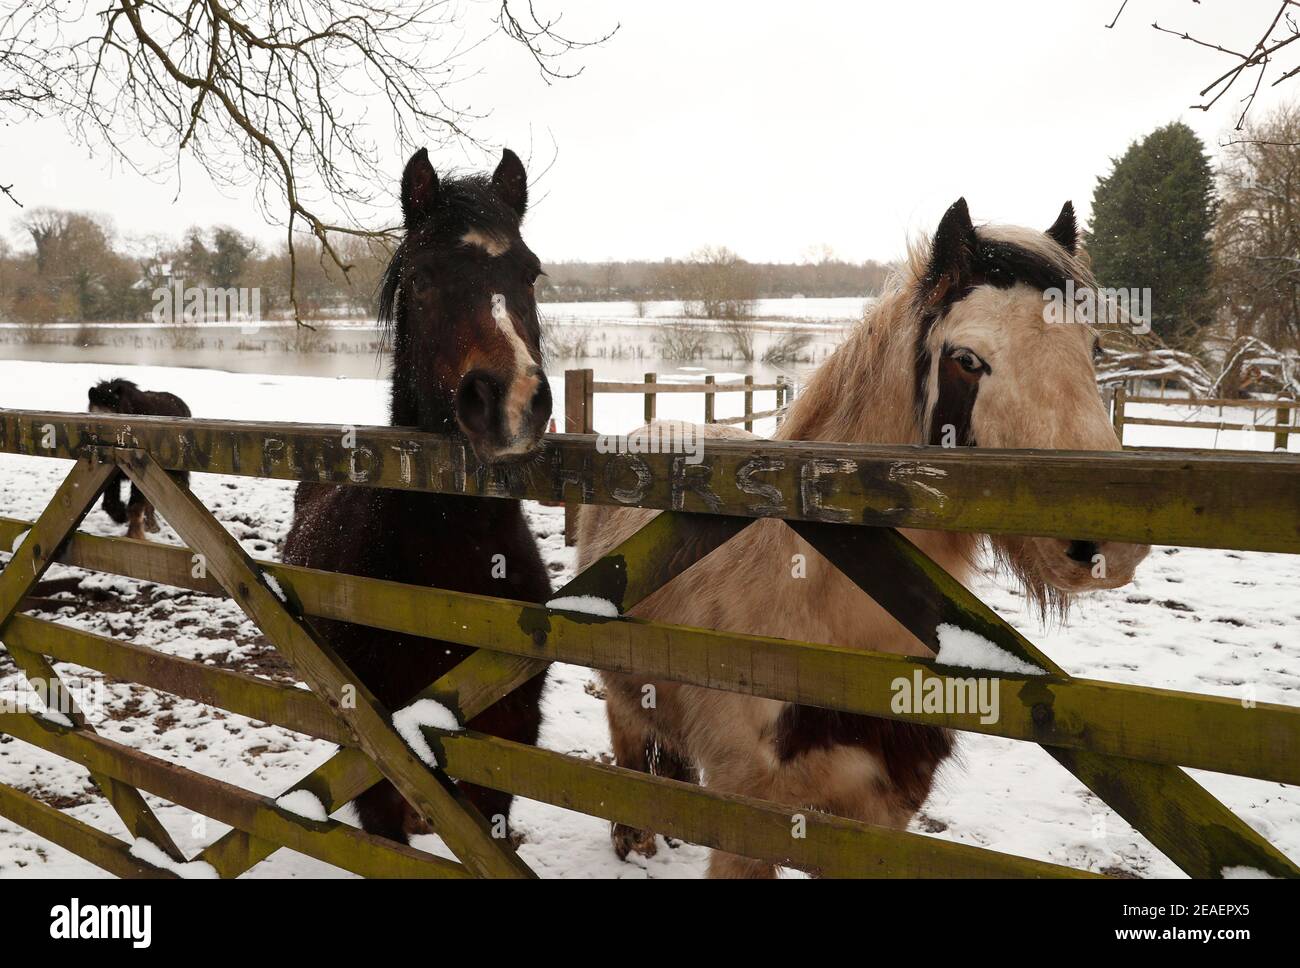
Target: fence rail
x,y
1119,398
1126,743
581,386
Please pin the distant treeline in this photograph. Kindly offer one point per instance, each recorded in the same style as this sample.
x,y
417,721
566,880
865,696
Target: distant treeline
x,y
76,268
674,279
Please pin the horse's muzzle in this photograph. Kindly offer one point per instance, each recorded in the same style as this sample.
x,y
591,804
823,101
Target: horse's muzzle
x,y
503,420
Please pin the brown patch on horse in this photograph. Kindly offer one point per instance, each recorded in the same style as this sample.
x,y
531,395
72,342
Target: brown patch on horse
x,y
910,752
954,404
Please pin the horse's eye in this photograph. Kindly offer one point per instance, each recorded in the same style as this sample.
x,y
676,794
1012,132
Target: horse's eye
x,y
421,282
969,361
1097,352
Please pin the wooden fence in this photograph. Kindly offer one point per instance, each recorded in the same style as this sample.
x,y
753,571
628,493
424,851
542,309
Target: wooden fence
x,y
1126,743
1283,425
581,387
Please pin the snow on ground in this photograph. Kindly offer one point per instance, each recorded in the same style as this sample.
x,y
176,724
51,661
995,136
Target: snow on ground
x,y
1218,622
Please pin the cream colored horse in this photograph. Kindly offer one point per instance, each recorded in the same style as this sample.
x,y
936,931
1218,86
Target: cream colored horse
x,y
958,351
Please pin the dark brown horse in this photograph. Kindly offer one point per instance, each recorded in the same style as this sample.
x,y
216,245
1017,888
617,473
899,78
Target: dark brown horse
x,y
459,298
123,396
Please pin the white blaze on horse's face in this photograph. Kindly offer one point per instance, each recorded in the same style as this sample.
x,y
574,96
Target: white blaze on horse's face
x,y
1003,372
524,385
493,245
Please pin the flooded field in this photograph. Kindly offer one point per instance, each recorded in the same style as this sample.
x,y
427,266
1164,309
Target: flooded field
x,y
786,337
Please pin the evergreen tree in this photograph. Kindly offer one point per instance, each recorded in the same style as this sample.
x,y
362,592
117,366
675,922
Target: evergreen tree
x,y
1151,222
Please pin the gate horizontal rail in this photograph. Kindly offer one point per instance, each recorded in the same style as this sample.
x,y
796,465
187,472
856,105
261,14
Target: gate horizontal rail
x,y
1196,499
1139,722
1125,742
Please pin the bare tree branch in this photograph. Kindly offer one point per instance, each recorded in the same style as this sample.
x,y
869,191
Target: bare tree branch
x,y
1282,31
542,39
276,94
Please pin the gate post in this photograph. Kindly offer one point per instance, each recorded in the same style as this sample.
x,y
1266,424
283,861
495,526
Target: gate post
x,y
578,419
650,399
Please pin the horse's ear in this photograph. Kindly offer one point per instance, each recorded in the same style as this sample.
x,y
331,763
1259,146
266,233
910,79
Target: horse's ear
x,y
419,188
511,182
951,254
1065,230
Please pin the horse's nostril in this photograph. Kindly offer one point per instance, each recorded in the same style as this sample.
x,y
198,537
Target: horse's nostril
x,y
1082,551
476,402
540,406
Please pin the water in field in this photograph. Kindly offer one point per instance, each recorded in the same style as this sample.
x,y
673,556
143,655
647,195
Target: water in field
x,y
619,341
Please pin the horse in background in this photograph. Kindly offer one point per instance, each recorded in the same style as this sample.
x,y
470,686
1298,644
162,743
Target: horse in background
x,y
459,300
958,351
124,397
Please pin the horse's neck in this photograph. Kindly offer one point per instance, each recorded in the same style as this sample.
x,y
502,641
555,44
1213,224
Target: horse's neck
x,y
864,393
407,406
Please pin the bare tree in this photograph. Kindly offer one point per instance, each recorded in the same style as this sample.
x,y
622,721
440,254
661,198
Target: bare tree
x,y
717,284
1257,234
276,94
1257,62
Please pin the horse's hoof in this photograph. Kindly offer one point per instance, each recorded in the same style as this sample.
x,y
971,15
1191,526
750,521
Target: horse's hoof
x,y
413,825
629,840
152,527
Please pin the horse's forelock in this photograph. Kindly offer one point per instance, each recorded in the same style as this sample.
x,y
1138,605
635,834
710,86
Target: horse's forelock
x,y
1006,255
465,202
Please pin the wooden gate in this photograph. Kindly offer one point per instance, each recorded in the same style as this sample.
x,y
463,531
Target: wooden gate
x,y
1126,743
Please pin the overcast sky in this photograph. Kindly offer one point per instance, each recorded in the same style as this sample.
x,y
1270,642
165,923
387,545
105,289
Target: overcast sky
x,y
774,126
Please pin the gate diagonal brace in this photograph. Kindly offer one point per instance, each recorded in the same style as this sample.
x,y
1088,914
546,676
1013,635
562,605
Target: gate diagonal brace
x,y
424,786
39,548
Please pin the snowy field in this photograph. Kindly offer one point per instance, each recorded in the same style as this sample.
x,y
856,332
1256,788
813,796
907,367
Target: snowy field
x,y
1217,622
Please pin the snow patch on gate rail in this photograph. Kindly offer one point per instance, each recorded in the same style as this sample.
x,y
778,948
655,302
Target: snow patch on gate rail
x,y
970,650
587,604
423,712
155,856
303,803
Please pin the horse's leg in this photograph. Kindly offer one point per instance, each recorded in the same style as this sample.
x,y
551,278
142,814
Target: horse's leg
x,y
517,717
385,812
745,772
631,732
135,514
113,505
